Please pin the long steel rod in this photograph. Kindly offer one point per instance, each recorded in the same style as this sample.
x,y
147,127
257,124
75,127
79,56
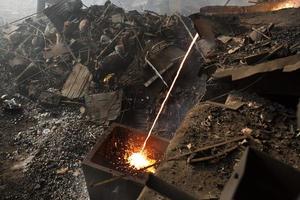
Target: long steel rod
x,y
170,90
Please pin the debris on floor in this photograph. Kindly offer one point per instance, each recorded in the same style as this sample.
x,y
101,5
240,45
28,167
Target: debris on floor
x,y
69,72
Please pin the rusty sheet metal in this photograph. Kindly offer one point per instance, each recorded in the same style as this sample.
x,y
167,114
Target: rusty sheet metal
x,y
77,82
204,27
269,178
61,11
97,165
57,14
287,64
163,61
105,106
56,50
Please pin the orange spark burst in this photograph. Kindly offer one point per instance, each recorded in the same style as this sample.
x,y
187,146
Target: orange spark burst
x,y
140,160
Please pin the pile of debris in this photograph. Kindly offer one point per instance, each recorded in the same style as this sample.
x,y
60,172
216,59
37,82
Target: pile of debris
x,y
258,51
212,140
94,53
66,74
247,54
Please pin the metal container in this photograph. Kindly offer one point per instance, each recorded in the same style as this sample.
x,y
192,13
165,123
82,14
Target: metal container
x,y
258,176
97,166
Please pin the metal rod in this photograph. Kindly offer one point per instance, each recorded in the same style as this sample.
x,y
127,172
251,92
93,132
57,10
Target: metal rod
x,y
254,29
155,70
214,156
104,50
113,179
191,36
227,2
170,89
210,147
154,78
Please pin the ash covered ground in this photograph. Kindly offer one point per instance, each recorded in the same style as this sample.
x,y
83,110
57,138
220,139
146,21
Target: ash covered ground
x,y
48,125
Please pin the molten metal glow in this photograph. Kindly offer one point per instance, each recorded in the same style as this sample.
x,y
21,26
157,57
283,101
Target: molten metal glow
x,y
140,160
287,4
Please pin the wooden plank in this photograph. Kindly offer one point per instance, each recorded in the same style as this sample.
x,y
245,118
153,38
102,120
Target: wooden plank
x,y
76,88
77,82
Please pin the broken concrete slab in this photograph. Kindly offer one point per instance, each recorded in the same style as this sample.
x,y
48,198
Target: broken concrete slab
x,y
207,47
292,67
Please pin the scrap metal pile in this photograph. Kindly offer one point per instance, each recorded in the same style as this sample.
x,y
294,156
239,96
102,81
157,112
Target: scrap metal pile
x,y
251,100
252,49
90,55
70,71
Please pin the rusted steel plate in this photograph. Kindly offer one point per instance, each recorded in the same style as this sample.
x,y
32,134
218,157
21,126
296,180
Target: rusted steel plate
x,y
105,106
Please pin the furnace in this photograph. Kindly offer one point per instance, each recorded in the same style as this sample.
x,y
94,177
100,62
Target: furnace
x,y
108,159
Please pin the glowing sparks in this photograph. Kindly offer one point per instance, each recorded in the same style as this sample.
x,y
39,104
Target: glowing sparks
x,y
140,160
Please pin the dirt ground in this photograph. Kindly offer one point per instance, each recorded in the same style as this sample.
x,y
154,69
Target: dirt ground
x,y
41,153
272,131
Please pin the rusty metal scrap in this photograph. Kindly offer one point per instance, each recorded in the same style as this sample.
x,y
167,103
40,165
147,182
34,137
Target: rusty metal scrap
x,y
61,11
218,155
105,165
105,39
104,107
286,64
162,58
270,178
